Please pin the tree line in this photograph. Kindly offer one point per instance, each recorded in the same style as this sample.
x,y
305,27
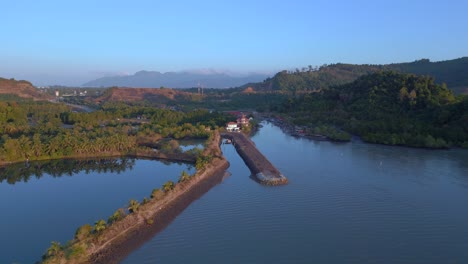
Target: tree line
x,y
388,108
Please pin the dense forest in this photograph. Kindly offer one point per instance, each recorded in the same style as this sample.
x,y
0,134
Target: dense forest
x,y
388,108
452,72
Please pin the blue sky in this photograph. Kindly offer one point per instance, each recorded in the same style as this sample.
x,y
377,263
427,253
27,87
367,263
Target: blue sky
x,y
71,42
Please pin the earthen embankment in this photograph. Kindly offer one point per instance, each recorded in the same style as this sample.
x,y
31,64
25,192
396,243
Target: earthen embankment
x,y
262,169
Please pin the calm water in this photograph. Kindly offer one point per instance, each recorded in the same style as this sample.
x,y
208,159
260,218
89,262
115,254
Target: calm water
x,y
345,203
48,204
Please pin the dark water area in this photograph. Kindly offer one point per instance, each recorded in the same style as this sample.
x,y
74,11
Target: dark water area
x,y
47,201
345,203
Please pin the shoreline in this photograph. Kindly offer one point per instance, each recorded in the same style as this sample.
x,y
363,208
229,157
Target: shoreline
x,y
139,154
137,231
122,237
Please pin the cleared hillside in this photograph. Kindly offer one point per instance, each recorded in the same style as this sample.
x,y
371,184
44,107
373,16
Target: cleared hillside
x,y
23,89
152,95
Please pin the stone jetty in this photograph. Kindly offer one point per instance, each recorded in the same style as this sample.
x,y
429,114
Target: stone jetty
x,y
261,168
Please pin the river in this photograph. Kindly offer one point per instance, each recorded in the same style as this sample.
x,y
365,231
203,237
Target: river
x,y
345,203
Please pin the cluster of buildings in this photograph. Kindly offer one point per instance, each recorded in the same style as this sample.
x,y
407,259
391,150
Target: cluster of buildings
x,y
242,121
75,93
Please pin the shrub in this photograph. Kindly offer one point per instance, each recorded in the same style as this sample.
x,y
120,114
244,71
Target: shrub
x,y
168,186
83,232
184,177
54,250
116,216
157,194
99,226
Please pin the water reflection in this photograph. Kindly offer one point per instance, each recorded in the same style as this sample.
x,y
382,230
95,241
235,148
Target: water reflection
x,y
48,200
22,172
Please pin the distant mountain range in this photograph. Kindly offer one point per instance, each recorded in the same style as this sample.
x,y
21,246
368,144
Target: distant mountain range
x,y
154,79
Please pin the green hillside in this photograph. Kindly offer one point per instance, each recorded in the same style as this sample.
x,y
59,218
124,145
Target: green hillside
x,y
389,108
452,72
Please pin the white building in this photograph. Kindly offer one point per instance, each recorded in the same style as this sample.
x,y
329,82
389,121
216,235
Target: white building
x,y
232,127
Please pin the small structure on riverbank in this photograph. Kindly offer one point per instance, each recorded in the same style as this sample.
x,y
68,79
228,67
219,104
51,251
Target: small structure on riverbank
x,y
232,127
241,122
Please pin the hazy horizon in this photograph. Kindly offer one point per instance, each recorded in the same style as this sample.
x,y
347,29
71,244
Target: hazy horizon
x,y
55,42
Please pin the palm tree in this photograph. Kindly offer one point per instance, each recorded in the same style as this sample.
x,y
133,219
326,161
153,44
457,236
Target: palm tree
x,y
54,250
25,146
184,177
133,206
168,186
83,232
116,216
37,146
100,226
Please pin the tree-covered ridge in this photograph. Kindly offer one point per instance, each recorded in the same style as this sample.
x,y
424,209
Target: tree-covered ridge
x,y
311,78
389,108
452,72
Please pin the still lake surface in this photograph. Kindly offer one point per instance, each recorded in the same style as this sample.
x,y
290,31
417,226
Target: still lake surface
x,y
345,203
48,201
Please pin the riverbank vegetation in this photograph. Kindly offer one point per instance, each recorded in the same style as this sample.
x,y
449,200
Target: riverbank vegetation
x,y
388,108
379,106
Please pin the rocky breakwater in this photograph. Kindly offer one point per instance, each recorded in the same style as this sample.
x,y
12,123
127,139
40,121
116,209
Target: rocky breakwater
x,y
261,168
129,231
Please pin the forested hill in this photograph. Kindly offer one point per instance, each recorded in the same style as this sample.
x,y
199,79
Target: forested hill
x,y
23,89
389,108
452,72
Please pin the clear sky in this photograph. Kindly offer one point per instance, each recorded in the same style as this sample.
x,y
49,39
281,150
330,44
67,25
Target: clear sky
x,y
73,41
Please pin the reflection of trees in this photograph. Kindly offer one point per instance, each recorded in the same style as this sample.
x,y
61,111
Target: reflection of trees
x,y
57,168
